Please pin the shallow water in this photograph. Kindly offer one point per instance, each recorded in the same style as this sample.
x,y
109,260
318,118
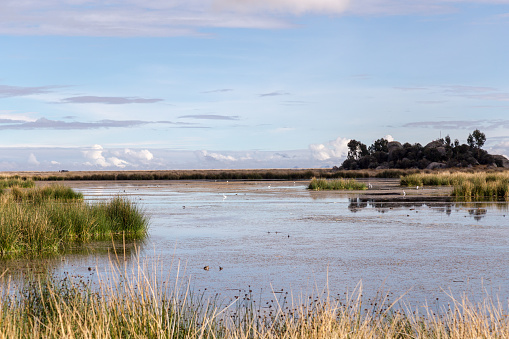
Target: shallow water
x,y
278,236
273,236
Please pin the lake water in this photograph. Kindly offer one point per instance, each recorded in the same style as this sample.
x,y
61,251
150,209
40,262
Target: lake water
x,y
273,236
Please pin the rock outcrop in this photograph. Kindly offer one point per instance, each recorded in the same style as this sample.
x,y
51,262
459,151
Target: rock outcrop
x,y
436,165
501,161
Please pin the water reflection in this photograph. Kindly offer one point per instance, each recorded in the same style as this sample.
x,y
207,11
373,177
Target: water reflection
x,y
477,213
418,244
477,210
82,258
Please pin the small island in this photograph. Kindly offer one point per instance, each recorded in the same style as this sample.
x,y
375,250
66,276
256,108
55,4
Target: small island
x,y
437,154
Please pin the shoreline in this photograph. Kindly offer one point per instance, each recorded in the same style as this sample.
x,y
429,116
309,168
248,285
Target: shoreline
x,y
231,174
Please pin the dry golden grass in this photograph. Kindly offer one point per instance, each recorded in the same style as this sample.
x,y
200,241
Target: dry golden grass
x,y
136,301
232,174
469,186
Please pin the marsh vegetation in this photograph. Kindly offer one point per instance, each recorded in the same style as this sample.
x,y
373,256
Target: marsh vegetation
x,y
134,302
44,220
336,184
468,186
15,181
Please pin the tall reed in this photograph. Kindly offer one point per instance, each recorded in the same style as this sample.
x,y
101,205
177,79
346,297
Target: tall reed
x,y
336,184
137,302
34,221
469,186
16,181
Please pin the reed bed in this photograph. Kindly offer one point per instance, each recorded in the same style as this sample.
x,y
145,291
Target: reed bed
x,y
15,181
231,174
468,186
336,184
45,220
234,174
131,301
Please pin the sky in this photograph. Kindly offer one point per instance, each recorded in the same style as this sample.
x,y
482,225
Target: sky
x,y
199,84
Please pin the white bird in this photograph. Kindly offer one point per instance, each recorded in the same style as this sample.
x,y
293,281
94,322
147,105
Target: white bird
x,y
224,196
370,186
417,188
404,193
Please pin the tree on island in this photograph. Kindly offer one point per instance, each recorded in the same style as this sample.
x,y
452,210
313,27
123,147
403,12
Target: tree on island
x,y
441,153
476,139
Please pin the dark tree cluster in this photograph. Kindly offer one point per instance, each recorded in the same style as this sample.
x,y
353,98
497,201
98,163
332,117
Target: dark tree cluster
x,y
441,153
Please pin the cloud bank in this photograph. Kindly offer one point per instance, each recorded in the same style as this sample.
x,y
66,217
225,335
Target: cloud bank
x,y
460,124
287,6
43,123
210,117
7,91
98,157
333,150
108,100
178,17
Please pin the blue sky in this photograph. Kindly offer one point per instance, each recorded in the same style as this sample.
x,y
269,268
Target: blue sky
x,y
158,84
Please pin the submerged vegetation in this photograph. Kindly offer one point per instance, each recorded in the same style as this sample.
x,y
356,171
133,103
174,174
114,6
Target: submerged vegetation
x,y
45,220
468,186
134,303
336,184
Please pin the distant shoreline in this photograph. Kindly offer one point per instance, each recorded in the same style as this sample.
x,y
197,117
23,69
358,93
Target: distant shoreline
x,y
229,174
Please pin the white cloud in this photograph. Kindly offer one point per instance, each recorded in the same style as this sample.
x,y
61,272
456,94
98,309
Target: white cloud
x,y
98,156
143,155
502,144
179,17
11,116
95,156
216,156
117,162
292,6
122,18
389,138
333,150
32,160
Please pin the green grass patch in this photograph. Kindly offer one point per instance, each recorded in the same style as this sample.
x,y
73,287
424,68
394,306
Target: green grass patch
x,y
477,186
46,220
336,184
8,182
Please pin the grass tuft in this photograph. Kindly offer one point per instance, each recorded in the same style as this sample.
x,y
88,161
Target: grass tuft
x,y
36,221
468,186
336,184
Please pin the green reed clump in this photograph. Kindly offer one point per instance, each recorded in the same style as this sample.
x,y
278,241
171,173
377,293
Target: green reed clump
x,y
442,178
122,215
336,184
7,182
46,220
479,188
53,192
469,186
